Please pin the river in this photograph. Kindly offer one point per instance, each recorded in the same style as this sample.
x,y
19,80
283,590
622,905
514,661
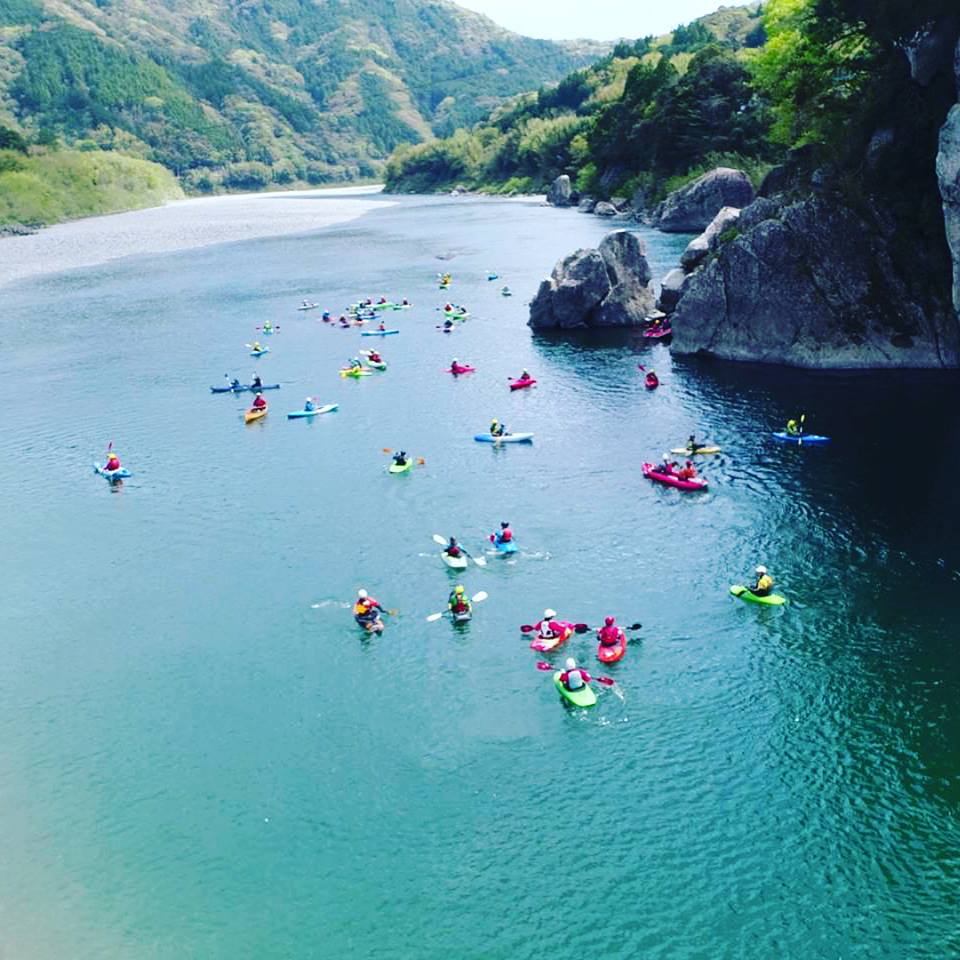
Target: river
x,y
202,758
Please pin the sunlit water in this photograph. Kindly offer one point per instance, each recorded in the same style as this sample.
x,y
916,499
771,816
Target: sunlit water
x,y
202,758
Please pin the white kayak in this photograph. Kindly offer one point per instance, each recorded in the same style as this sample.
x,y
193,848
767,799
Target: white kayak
x,y
506,438
455,563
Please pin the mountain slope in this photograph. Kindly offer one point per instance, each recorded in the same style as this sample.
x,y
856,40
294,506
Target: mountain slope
x,y
246,92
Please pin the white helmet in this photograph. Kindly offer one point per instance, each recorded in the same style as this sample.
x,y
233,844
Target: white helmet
x,y
571,663
362,594
549,614
761,570
666,457
454,360
309,399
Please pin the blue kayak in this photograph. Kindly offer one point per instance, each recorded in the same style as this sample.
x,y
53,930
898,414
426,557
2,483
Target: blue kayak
x,y
508,547
315,412
801,439
259,353
111,474
505,438
377,333
244,387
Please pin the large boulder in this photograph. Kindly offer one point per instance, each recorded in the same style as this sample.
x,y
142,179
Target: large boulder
x,y
604,209
691,208
671,290
699,249
608,287
560,192
816,286
948,173
586,205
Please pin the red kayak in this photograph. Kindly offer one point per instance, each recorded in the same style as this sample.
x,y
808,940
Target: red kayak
x,y
611,654
522,384
651,381
561,634
650,472
658,333
458,370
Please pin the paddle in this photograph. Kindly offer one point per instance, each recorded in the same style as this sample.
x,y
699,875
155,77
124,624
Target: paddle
x,y
476,598
803,417
443,541
606,681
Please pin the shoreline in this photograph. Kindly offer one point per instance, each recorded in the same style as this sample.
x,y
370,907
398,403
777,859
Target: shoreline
x,y
93,241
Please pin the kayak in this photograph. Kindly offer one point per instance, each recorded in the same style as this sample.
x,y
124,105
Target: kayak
x,y
328,408
252,415
111,474
455,563
370,626
802,439
671,481
522,384
506,438
311,306
456,314
651,382
505,547
259,353
377,333
772,600
400,468
542,645
700,451
612,654
377,364
458,370
384,306
658,334
464,616
584,697
244,387
356,373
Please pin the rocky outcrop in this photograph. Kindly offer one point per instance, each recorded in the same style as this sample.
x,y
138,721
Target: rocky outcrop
x,y
604,209
586,205
693,207
560,192
607,287
814,284
671,290
698,250
948,174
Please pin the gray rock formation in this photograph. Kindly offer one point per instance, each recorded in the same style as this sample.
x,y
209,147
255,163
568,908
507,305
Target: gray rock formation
x,y
671,290
586,205
699,249
815,286
948,173
560,192
607,287
690,209
604,209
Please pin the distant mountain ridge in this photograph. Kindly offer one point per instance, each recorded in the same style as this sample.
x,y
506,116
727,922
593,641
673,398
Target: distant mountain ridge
x,y
245,93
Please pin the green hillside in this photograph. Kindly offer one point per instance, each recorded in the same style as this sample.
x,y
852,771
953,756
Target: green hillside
x,y
260,92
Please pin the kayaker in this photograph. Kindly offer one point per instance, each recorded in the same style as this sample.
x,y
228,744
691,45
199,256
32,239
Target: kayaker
x,y
794,428
547,627
525,376
382,300
259,403
574,677
687,471
113,461
609,633
256,348
344,322
452,549
455,365
267,326
374,357
504,536
309,404
692,444
652,378
458,601
234,384
405,303
354,363
448,308
366,609
400,459
327,316
256,383
506,292
381,326
447,325
497,429
666,466
764,583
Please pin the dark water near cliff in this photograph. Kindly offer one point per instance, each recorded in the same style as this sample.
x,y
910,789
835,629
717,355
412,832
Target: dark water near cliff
x,y
200,758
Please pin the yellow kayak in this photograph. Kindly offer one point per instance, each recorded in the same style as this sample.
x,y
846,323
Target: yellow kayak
x,y
356,372
685,451
252,415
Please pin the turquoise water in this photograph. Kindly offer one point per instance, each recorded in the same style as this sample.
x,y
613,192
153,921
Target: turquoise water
x,y
202,758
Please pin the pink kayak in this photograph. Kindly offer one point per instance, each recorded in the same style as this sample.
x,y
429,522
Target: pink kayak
x,y
615,652
458,370
522,384
671,481
561,633
658,334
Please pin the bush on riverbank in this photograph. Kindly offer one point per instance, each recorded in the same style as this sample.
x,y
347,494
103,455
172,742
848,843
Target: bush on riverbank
x,y
47,188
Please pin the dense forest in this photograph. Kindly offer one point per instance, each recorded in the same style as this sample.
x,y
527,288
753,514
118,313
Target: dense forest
x,y
265,92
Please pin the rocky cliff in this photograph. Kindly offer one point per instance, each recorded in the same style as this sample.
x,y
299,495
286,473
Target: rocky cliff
x,y
948,175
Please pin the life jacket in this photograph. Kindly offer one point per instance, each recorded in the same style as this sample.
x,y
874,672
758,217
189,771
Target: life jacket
x,y
609,636
765,583
546,629
459,604
259,403
505,536
573,679
452,551
113,463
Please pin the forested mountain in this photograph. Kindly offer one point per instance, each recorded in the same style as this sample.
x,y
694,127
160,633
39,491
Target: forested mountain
x,y
245,93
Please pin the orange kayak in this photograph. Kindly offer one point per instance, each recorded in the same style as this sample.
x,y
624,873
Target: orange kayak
x,y
253,414
612,654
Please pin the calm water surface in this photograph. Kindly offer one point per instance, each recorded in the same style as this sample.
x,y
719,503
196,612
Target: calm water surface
x,y
200,757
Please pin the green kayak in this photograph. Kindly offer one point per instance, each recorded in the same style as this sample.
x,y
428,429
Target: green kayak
x,y
400,468
773,600
584,697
